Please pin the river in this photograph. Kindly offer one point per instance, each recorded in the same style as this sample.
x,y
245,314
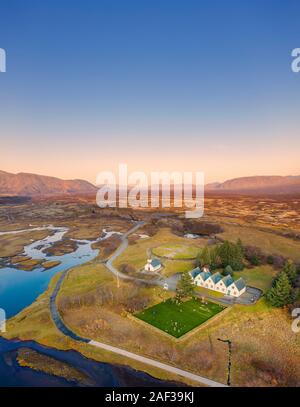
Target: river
x,y
19,288
98,374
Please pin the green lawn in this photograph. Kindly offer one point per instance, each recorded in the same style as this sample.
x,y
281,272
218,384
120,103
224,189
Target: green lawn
x,y
259,277
177,320
173,266
268,242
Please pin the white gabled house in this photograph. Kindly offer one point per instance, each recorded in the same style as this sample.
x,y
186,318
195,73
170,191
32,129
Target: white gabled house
x,y
216,278
217,282
237,288
195,275
221,285
153,265
200,277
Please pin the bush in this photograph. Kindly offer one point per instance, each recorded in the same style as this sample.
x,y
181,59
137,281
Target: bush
x,y
127,268
277,261
228,271
201,228
254,255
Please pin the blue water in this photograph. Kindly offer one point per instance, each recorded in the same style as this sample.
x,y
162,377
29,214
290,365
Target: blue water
x,y
98,374
19,288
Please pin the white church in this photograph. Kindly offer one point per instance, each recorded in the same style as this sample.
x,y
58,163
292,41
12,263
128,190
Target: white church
x,y
153,265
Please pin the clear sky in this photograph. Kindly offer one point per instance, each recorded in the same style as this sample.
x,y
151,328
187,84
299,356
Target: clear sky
x,y
159,84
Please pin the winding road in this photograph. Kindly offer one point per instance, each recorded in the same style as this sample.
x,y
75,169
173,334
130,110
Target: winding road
x,y
171,281
122,352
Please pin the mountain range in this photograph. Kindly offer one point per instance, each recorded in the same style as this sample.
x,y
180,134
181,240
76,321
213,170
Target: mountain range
x,y
258,184
25,184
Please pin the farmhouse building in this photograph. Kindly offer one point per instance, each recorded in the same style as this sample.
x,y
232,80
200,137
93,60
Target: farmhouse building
x,y
237,288
217,282
200,277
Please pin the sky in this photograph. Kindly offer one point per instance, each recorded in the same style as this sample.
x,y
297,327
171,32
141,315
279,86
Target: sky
x,y
202,85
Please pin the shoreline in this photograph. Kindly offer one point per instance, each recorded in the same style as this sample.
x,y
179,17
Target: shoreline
x,y
101,374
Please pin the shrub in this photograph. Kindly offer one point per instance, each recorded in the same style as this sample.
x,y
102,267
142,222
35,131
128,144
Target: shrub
x,y
228,271
254,255
127,268
278,261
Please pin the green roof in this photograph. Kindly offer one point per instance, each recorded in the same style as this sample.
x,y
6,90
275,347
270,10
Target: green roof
x,y
228,280
155,263
240,284
216,277
205,275
194,273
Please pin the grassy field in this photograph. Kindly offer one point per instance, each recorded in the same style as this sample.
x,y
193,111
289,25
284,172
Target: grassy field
x,y
260,277
136,254
178,319
177,251
29,265
269,243
172,267
13,244
82,229
27,357
206,291
50,264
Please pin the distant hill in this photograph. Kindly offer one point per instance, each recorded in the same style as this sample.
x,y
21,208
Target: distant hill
x,y
258,184
24,184
31,185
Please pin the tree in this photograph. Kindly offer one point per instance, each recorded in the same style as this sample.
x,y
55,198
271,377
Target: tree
x,y
185,287
215,260
228,271
281,294
205,256
198,260
231,255
240,246
291,271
